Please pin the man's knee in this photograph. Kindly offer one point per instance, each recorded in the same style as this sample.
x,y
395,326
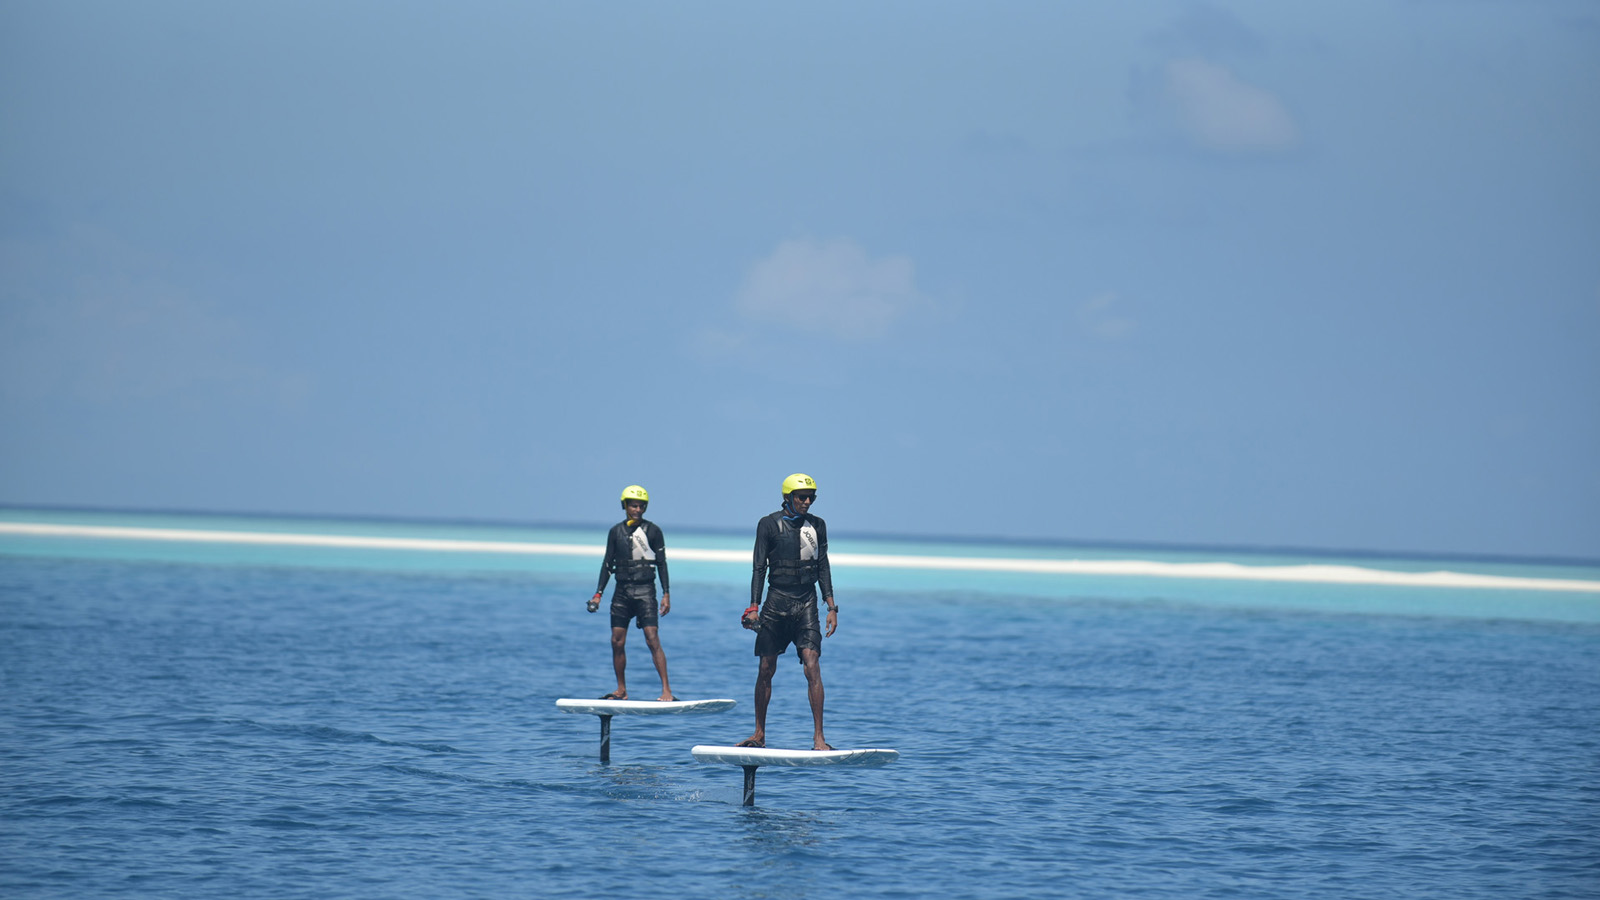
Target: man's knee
x,y
811,662
619,638
652,637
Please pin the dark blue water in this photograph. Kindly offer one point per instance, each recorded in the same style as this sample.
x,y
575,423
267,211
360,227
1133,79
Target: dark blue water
x,y
188,731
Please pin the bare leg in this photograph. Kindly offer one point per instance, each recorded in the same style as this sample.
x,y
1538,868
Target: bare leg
x,y
652,639
769,665
619,660
812,662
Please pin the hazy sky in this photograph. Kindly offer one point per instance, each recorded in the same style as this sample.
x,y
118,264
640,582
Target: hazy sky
x,y
1321,275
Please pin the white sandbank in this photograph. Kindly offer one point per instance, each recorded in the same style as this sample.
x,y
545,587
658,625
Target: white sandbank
x,y
1325,574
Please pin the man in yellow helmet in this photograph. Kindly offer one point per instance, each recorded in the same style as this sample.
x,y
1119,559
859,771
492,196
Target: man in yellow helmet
x,y
636,552
791,555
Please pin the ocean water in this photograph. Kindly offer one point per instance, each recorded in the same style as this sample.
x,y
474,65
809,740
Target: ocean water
x,y
187,719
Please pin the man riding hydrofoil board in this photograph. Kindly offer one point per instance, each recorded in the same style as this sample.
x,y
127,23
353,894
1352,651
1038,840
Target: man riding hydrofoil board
x,y
636,552
791,557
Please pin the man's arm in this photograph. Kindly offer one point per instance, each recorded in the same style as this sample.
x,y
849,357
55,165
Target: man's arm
x,y
605,561
824,571
658,543
758,562
758,574
825,578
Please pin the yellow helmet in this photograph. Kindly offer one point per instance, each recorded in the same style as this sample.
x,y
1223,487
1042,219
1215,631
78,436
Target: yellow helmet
x,y
798,482
635,492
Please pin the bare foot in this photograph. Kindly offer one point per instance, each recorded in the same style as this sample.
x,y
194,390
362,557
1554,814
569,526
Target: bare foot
x,y
618,694
666,697
820,744
755,740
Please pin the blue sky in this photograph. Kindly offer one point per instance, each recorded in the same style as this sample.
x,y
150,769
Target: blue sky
x,y
1318,275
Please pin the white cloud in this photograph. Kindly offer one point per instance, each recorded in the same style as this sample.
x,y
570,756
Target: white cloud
x,y
1219,112
830,288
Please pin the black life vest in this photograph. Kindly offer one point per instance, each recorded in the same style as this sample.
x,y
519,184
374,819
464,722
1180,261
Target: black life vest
x,y
793,562
640,565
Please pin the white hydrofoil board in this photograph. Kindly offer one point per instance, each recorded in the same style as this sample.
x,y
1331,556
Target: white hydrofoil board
x,y
642,707
773,756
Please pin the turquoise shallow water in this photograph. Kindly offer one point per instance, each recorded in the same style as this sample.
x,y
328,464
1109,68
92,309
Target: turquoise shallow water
x,y
191,720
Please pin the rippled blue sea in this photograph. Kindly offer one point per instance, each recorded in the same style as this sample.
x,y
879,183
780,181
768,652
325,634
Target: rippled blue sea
x,y
175,728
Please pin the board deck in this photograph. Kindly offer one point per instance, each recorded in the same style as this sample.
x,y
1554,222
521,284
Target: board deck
x,y
773,756
642,707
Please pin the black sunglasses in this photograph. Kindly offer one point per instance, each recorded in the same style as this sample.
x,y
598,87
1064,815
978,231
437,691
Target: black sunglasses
x,y
798,496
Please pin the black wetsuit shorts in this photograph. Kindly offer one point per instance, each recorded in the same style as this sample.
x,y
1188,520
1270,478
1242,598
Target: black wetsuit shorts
x,y
635,601
788,619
